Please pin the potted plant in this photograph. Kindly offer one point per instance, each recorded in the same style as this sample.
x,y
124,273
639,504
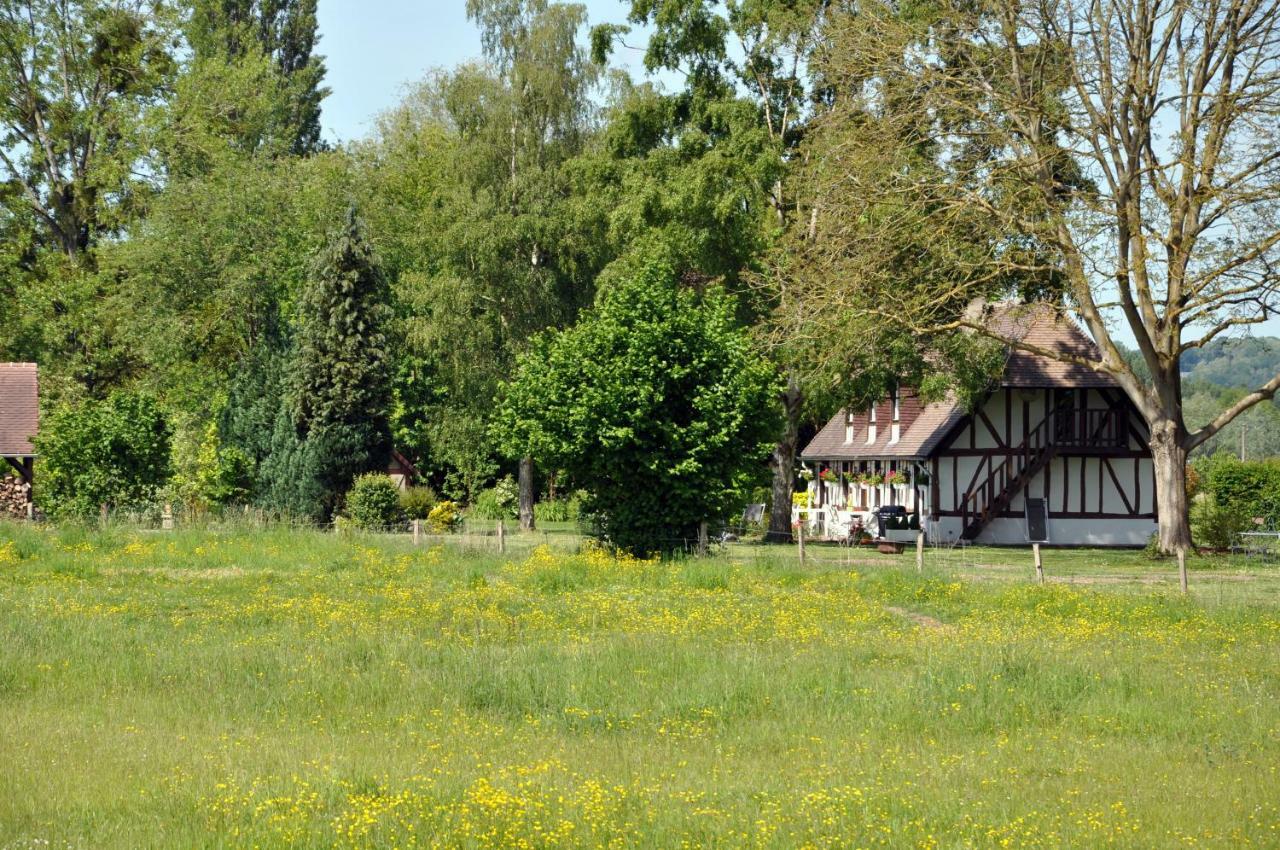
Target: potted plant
x,y
828,474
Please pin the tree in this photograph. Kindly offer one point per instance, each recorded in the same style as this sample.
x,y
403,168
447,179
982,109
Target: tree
x,y
655,401
210,280
334,425
1123,153
484,154
114,451
755,55
283,31
77,78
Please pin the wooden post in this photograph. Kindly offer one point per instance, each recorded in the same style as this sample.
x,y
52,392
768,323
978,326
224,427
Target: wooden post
x,y
166,517
920,551
800,540
417,532
102,514
702,539
1035,549
502,537
1182,568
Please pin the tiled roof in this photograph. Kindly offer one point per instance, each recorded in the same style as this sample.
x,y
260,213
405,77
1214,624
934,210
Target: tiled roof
x,y
1044,328
19,409
1036,325
918,441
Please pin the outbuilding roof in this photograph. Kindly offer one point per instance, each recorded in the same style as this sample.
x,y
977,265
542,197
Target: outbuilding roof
x,y
19,409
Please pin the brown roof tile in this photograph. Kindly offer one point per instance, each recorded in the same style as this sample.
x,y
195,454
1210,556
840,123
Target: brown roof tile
x,y
917,441
19,408
1036,325
1043,327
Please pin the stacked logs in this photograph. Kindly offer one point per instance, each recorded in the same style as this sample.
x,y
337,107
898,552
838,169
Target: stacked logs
x,y
14,496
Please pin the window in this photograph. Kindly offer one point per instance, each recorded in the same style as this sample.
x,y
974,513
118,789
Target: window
x,y
897,404
871,414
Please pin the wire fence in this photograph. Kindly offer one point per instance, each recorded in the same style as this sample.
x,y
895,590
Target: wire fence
x,y
751,546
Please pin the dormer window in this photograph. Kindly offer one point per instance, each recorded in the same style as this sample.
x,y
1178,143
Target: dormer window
x,y
848,427
897,404
871,424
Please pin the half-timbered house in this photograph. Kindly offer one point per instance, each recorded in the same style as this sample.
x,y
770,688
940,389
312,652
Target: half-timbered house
x,y
1062,435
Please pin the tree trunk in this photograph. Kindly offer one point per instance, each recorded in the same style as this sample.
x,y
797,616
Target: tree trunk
x,y
1169,458
526,494
783,462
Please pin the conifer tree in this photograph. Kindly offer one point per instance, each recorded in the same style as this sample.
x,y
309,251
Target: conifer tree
x,y
334,423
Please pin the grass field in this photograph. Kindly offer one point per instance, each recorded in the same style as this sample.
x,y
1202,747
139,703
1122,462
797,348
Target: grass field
x,y
292,689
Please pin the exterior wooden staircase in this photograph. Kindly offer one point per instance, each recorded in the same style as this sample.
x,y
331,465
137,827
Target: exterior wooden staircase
x,y
1086,431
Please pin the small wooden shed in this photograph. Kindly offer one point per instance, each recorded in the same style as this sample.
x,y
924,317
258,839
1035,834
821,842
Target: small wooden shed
x,y
19,421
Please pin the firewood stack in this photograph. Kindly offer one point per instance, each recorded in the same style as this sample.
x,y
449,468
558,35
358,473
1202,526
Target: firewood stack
x,y
14,496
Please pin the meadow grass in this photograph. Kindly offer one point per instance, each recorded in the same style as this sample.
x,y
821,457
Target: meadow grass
x,y
280,688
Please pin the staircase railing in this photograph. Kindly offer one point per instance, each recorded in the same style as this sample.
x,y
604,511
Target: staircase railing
x,y
1063,428
977,500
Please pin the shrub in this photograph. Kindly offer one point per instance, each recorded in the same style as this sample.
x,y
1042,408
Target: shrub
x,y
417,502
498,502
1215,525
114,451
560,510
373,502
209,474
444,518
1248,488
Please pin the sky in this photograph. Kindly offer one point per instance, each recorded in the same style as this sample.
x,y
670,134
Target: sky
x,y
375,48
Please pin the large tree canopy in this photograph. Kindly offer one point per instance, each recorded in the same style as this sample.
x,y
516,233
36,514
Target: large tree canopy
x,y
1122,154
77,80
655,402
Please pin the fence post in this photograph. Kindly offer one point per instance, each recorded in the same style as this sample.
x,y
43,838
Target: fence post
x,y
1035,549
702,539
1182,568
502,537
417,532
166,517
102,514
920,551
800,540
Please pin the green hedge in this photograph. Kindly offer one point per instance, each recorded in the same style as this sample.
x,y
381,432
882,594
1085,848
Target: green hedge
x,y
1247,489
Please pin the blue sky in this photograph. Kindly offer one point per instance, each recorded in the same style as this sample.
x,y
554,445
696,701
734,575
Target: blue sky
x,y
373,48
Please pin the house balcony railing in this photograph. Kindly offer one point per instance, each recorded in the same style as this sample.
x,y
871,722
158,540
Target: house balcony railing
x,y
1084,429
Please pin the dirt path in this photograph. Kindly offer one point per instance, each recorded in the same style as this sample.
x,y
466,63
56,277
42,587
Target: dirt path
x,y
924,621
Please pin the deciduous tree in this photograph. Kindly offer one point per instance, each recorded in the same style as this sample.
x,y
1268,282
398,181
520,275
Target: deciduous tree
x,y
1122,153
656,402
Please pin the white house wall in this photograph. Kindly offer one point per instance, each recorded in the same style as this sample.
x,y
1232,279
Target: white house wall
x,y
1073,484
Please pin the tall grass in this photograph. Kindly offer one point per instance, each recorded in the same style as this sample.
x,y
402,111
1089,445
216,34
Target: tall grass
x,y
285,688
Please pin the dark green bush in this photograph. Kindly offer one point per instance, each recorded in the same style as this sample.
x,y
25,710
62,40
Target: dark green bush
x,y
417,502
373,502
1246,488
